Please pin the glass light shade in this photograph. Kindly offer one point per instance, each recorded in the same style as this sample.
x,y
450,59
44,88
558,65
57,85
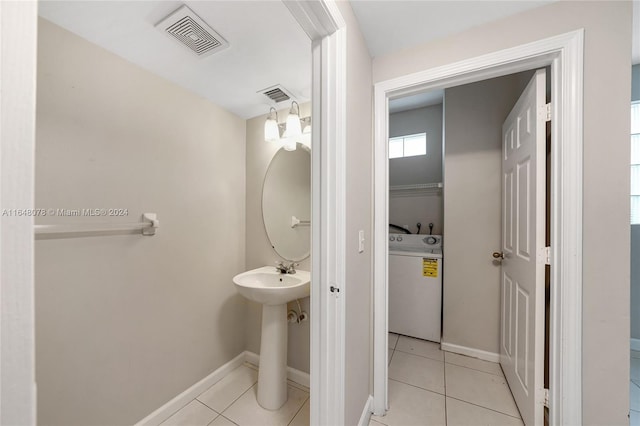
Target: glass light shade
x,y
306,136
271,131
293,125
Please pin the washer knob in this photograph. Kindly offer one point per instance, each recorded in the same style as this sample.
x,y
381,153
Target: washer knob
x,y
392,238
399,238
430,240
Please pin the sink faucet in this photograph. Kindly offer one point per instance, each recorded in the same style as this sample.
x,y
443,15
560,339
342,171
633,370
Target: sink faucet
x,y
283,268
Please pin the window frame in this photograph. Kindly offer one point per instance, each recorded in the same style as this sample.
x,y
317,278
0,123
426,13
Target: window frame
x,y
403,138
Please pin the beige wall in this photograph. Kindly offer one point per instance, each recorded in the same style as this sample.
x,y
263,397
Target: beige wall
x,y
474,114
607,56
359,284
259,250
125,323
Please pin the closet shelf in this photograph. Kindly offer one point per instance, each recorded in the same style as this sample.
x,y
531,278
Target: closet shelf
x,y
415,189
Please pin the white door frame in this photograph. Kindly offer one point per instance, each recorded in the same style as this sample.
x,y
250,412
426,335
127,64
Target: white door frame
x,y
324,25
18,25
564,53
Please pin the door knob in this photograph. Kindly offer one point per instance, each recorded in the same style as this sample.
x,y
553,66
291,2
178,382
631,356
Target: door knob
x,y
498,255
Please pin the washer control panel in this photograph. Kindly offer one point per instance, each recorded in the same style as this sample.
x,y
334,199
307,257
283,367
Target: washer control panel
x,y
414,242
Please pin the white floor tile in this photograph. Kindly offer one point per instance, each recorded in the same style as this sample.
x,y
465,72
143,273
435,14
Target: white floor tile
x,y
635,354
302,418
420,347
409,405
460,413
374,423
634,396
480,388
222,421
390,355
192,414
393,339
227,390
476,364
634,418
247,412
418,371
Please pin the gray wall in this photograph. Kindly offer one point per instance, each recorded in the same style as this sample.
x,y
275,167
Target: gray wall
x,y
359,284
472,209
125,323
607,47
635,234
422,168
407,209
259,250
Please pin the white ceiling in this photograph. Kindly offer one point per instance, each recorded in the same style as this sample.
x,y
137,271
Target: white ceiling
x,y
419,100
267,46
392,25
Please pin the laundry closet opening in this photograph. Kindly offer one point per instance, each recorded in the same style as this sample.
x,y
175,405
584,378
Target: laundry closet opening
x,y
453,316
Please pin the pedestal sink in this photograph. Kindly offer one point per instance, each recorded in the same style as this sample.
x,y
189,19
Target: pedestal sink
x,y
274,290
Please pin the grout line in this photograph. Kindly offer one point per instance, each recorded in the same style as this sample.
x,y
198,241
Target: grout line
x,y
417,387
486,408
633,381
202,403
393,351
480,371
299,409
396,344
232,402
444,374
175,412
423,356
471,368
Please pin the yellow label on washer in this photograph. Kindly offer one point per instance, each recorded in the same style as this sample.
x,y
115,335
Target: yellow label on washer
x,y
430,267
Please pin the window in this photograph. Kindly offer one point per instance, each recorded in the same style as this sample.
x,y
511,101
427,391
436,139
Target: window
x,y
635,163
408,146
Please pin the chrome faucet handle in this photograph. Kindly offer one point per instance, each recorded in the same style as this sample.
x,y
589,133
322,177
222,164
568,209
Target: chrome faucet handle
x,y
291,269
281,267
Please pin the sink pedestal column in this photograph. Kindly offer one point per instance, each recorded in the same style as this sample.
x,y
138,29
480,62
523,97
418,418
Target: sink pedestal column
x,y
272,374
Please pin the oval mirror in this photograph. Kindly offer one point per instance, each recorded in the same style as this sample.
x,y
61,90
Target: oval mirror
x,y
286,199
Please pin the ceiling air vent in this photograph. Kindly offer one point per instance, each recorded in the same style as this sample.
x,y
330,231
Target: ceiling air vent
x,y
186,27
277,93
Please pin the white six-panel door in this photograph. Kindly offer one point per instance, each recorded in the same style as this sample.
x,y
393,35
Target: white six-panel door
x,y
523,242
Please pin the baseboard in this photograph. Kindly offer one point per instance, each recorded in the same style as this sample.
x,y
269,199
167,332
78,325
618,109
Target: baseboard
x,y
365,417
474,353
164,412
635,344
296,376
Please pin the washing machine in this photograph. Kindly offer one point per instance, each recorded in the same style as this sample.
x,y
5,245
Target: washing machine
x,y
415,285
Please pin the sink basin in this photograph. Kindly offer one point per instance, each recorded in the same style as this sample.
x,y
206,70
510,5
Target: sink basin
x,y
274,290
268,286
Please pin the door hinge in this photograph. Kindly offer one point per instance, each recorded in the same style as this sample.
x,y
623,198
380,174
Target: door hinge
x,y
546,255
546,398
547,112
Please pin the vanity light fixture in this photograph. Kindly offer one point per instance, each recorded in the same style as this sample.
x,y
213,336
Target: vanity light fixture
x,y
271,130
289,133
294,130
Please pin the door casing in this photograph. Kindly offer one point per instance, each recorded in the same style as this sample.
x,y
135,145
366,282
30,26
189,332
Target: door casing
x,y
564,54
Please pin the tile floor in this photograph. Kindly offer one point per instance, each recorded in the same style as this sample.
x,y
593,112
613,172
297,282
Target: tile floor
x,y
634,390
426,387
430,387
232,401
